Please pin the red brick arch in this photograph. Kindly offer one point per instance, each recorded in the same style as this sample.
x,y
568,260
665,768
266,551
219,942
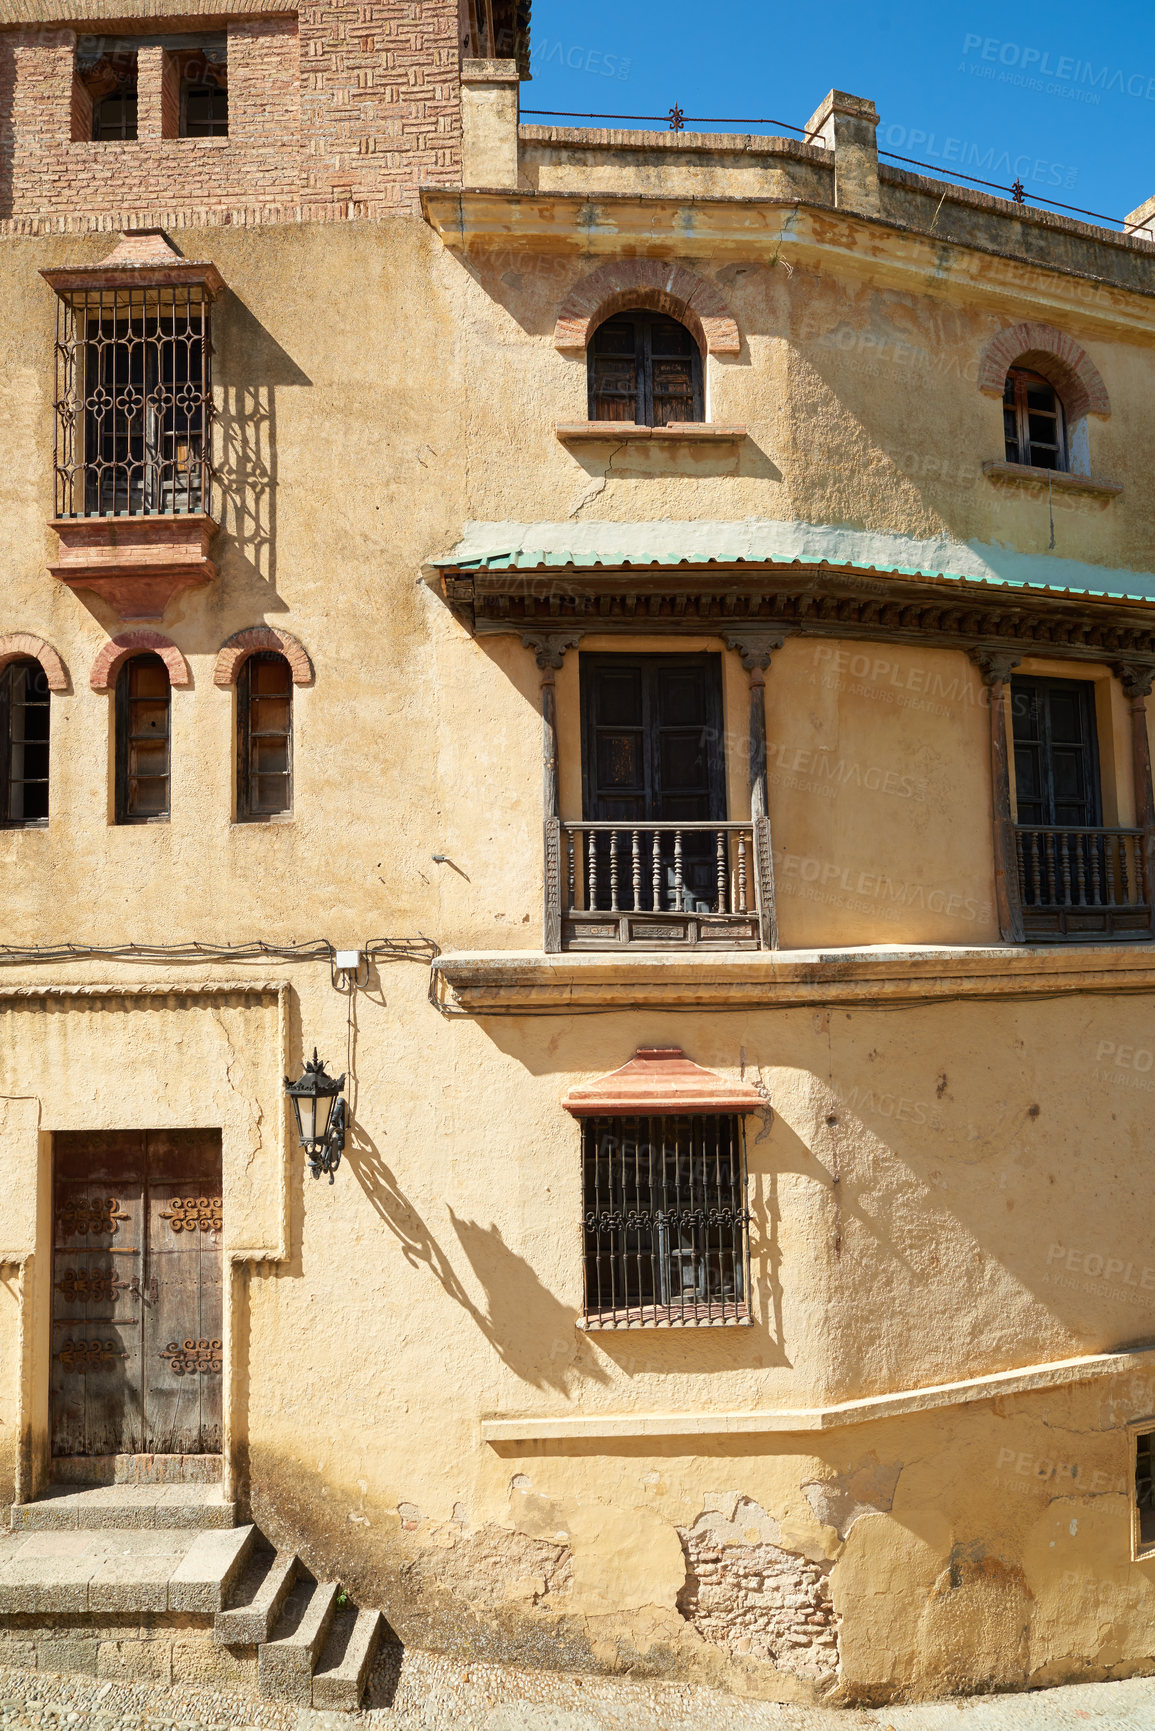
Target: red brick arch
x,y
660,286
1053,354
127,643
21,645
236,651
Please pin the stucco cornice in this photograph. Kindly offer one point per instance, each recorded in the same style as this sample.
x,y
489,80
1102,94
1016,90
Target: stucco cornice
x,y
521,982
881,250
799,1420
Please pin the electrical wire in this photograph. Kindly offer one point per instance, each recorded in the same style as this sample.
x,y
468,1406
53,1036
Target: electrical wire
x,y
420,949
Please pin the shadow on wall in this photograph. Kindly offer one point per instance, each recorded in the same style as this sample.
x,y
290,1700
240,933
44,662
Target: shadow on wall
x,y
251,367
531,1332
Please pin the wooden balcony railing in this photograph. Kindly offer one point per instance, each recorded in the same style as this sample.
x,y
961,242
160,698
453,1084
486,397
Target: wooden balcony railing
x,y
1083,883
655,885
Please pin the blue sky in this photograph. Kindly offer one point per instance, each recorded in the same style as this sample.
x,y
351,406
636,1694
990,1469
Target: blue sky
x,y
1061,94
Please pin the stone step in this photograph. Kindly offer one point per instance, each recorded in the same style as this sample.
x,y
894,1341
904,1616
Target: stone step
x,y
343,1669
205,1575
65,1508
257,1599
120,1569
285,1664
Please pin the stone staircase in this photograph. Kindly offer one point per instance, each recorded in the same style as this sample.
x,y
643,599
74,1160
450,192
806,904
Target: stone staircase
x,y
157,1580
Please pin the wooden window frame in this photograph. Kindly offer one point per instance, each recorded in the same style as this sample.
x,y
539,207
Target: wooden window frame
x,y
715,721
1142,1550
123,719
1086,690
1023,379
7,676
245,740
644,322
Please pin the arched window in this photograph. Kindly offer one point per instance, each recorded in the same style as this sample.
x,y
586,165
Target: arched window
x,y
1034,422
264,737
24,721
645,368
143,710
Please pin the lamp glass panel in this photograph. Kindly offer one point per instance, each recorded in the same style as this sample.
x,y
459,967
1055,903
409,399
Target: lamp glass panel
x,y
306,1105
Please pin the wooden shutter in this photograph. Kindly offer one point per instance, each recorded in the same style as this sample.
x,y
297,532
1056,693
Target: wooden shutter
x,y
1056,752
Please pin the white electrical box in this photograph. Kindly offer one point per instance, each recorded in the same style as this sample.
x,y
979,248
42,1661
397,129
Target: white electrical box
x,y
347,961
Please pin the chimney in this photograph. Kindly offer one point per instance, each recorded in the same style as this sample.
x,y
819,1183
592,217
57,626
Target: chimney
x,y
848,126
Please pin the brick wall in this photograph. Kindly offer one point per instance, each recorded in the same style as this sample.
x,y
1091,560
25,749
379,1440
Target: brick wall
x,y
342,110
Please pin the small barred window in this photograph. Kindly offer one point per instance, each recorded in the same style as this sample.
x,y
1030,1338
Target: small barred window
x,y
1034,424
666,1221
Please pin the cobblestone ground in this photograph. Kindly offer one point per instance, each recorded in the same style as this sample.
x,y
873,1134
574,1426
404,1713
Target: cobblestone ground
x,y
432,1694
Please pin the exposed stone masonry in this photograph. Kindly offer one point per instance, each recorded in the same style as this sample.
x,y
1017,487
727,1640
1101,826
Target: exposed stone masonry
x,y
745,1593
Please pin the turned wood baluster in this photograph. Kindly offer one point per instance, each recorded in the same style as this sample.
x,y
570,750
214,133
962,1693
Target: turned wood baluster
x,y
1036,874
678,897
1021,843
657,871
1111,848
1096,873
1065,860
742,871
613,871
636,846
592,866
571,867
720,857
1080,871
1049,850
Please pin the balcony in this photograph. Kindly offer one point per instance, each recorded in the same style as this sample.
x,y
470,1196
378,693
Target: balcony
x,y
657,886
1081,884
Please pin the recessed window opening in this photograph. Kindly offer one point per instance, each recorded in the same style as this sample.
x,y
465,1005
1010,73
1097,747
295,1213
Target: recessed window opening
x,y
24,727
203,76
143,712
644,368
264,737
666,1221
1034,423
107,69
1145,1486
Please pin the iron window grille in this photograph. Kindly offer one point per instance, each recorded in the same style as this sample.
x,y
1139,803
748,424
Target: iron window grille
x,y
264,737
134,406
645,368
143,715
25,711
1034,424
1145,1486
666,1222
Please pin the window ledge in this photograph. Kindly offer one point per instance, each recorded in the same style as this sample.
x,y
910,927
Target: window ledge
x,y
136,564
1059,480
679,433
528,981
661,1319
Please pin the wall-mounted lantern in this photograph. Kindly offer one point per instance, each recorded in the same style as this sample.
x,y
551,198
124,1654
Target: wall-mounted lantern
x,y
319,1109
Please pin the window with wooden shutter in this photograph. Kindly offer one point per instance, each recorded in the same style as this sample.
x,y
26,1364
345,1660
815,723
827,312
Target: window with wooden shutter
x,y
24,724
1056,752
264,737
644,368
1034,424
143,711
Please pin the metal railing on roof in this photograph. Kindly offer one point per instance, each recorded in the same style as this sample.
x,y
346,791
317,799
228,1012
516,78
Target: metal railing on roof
x,y
676,120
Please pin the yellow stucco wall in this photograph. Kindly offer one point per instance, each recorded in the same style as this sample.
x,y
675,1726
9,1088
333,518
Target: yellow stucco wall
x,y
940,1191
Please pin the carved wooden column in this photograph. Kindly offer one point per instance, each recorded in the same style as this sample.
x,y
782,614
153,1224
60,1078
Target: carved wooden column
x,y
1136,682
549,651
756,648
995,665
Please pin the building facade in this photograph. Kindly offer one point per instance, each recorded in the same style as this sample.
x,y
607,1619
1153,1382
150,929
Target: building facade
x,y
679,609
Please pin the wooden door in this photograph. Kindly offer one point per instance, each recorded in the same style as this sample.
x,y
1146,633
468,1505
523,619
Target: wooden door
x,y
136,1293
652,753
